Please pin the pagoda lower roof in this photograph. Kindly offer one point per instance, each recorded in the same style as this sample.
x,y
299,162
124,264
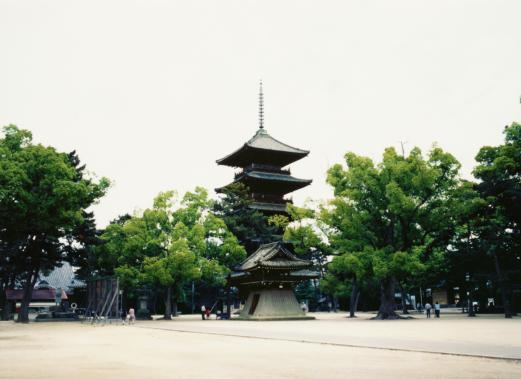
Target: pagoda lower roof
x,y
270,182
264,149
273,256
269,207
300,274
243,278
275,177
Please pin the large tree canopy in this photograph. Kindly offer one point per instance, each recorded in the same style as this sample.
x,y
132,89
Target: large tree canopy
x,y
398,211
168,245
499,226
44,197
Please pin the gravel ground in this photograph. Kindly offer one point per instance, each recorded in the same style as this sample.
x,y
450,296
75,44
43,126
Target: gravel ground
x,y
331,346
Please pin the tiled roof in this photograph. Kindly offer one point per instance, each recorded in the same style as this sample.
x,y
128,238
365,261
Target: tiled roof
x,y
62,277
272,255
273,207
305,273
262,140
276,177
263,148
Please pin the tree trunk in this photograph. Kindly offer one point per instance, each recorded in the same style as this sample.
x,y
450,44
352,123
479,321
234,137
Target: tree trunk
x,y
28,294
168,303
502,288
387,306
7,310
3,298
404,302
229,302
335,303
174,306
354,297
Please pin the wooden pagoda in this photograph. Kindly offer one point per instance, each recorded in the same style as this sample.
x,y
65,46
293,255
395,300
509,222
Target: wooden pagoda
x,y
270,273
261,161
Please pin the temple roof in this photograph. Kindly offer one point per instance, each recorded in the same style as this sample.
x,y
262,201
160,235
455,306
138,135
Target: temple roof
x,y
270,182
269,207
272,176
263,148
62,277
273,256
38,294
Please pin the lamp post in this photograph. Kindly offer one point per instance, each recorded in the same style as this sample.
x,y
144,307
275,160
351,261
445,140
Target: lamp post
x,y
469,296
120,292
193,296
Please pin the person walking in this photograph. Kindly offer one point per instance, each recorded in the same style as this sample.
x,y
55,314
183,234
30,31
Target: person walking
x,y
428,308
437,309
203,311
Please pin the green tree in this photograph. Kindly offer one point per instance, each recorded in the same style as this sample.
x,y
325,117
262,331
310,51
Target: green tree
x,y
398,212
43,200
169,245
346,275
304,231
250,226
499,172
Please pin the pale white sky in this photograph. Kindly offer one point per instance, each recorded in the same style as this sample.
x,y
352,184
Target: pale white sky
x,y
150,93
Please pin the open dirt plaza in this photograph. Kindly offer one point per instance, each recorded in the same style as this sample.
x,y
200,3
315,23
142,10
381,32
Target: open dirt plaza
x,y
331,346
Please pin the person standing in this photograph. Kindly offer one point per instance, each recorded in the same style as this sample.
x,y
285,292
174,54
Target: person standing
x,y
203,311
428,308
132,314
437,309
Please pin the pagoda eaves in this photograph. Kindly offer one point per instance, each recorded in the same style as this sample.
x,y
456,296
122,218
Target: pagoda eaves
x,y
270,182
263,149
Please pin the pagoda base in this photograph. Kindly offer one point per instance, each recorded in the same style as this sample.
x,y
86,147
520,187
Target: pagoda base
x,y
271,305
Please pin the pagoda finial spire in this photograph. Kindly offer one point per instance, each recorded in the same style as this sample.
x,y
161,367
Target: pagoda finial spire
x,y
261,106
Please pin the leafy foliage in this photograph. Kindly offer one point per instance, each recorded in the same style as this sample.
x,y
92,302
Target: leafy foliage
x,y
398,213
250,226
171,244
44,195
499,208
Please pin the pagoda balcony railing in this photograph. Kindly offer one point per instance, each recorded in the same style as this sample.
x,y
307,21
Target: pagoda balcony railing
x,y
262,167
265,198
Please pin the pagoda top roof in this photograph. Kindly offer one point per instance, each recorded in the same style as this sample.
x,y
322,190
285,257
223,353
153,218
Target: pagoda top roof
x,y
263,148
273,256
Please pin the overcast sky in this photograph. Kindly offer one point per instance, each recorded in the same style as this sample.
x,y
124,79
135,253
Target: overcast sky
x,y
151,93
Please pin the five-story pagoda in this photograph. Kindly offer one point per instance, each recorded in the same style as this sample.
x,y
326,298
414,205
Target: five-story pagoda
x,y
261,161
269,274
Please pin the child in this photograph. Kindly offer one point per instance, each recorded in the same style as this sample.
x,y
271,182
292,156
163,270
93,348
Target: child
x,y
132,315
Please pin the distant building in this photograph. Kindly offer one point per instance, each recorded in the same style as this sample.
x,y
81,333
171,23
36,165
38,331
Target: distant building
x,y
59,284
63,277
